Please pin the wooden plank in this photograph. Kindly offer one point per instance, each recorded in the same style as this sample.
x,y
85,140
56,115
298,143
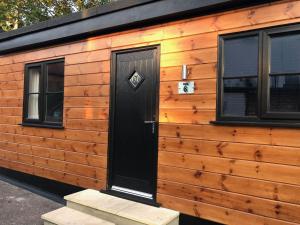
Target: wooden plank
x,y
87,79
195,72
86,68
253,205
201,56
257,170
205,86
189,27
199,41
89,44
17,166
88,102
86,159
80,181
11,85
195,102
14,120
11,102
243,19
87,113
53,174
61,144
11,68
216,213
253,152
14,76
87,91
4,60
233,134
87,136
48,153
11,111
208,132
85,124
72,168
143,35
88,57
187,116
11,93
286,137
258,15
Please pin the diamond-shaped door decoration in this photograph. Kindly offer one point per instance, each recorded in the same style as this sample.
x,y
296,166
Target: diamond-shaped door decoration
x,y
135,80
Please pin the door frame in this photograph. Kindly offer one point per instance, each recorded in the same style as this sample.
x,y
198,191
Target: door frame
x,y
112,103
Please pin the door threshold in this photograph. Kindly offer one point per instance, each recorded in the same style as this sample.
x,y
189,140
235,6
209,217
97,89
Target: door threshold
x,y
131,197
132,192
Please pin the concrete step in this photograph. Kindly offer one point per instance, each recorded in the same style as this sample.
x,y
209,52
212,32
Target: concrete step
x,y
120,211
67,216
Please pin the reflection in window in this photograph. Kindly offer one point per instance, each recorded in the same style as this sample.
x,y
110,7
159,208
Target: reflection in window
x,y
285,93
54,108
54,93
284,82
241,56
285,54
240,76
240,97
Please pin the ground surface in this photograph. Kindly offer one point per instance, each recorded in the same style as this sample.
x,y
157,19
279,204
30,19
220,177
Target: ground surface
x,y
21,207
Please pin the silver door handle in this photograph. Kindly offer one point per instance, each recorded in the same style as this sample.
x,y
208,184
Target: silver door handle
x,y
153,125
149,121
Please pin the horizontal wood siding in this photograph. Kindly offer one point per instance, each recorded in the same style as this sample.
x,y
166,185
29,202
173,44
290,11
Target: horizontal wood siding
x,y
232,175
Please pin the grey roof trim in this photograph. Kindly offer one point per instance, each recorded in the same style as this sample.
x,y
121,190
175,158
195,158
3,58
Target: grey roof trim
x,y
74,17
113,17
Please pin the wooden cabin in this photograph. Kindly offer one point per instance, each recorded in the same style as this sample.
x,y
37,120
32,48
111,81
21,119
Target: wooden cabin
x,y
191,105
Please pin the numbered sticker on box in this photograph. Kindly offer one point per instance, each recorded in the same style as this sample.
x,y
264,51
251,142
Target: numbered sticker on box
x,y
186,87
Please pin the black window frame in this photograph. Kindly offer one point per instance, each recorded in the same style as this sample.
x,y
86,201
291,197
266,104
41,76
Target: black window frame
x,y
43,84
263,117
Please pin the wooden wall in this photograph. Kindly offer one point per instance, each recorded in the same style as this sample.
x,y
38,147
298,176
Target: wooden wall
x,y
232,175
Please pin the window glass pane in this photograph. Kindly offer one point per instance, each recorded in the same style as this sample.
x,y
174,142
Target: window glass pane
x,y
54,107
241,57
285,54
285,93
34,80
55,77
33,106
240,97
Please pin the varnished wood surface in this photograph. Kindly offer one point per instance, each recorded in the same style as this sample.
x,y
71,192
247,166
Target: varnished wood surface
x,y
229,174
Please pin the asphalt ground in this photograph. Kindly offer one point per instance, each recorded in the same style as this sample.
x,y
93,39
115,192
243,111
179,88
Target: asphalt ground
x,y
22,207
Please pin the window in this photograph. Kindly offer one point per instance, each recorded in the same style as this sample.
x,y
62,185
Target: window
x,y
240,77
44,93
259,76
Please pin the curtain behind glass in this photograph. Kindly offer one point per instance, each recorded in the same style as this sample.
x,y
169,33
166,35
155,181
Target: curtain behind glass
x,y
33,97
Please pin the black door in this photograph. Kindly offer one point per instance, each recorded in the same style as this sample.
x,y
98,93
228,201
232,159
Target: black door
x,y
133,122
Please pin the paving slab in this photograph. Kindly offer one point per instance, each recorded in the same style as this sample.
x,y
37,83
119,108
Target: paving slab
x,y
67,216
120,211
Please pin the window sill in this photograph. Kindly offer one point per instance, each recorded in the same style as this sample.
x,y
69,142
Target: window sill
x,y
290,124
52,126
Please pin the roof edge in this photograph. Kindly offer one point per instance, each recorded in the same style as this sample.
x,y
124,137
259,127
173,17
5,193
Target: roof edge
x,y
74,17
117,16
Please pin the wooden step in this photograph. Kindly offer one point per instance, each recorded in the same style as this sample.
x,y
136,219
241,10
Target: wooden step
x,y
67,216
120,211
